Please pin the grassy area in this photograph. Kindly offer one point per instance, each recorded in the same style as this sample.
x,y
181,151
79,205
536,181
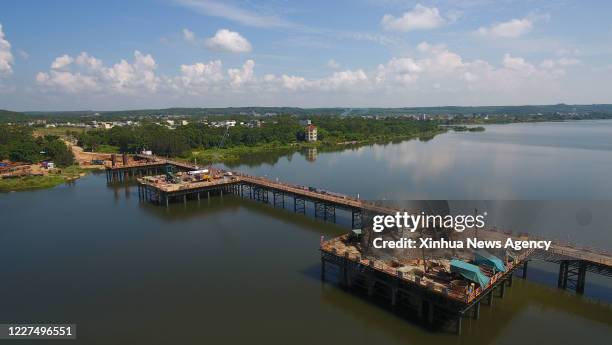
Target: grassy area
x,y
107,149
234,153
39,182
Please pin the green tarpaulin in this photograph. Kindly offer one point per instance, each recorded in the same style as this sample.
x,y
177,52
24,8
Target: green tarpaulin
x,y
469,272
484,257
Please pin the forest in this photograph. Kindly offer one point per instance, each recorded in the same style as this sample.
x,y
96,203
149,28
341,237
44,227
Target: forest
x,y
18,144
279,131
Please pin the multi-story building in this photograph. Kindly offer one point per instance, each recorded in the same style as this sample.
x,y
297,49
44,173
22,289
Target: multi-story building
x,y
311,133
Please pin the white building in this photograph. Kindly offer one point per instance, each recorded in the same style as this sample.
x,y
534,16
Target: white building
x,y
311,133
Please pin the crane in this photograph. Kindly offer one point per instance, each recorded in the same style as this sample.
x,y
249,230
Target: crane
x,y
219,146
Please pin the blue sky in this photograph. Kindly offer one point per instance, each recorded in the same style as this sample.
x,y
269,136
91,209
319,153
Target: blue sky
x,y
68,55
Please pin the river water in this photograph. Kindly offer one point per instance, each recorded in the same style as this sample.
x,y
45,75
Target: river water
x,y
233,271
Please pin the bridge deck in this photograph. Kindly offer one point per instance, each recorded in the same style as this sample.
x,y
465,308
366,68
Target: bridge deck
x,y
602,258
581,254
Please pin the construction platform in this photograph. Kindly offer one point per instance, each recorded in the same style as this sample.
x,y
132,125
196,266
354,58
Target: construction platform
x,y
425,288
133,166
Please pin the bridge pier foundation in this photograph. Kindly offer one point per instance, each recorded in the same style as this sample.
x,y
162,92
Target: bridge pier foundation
x,y
278,199
356,219
572,274
260,194
299,205
581,277
562,279
525,269
325,211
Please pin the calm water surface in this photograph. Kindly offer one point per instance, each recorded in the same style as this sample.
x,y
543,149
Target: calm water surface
x,y
233,271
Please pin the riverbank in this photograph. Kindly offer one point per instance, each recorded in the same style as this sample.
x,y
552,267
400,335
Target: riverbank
x,y
52,179
232,154
204,156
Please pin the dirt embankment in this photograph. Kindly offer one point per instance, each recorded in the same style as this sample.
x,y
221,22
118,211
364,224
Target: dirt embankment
x,y
85,158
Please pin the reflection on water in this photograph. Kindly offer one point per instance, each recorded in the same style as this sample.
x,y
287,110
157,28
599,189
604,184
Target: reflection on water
x,y
311,154
543,161
232,271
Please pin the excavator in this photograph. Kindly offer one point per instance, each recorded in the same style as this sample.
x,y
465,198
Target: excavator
x,y
170,176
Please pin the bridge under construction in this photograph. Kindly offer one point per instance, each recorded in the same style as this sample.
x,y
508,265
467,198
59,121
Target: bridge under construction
x,y
420,286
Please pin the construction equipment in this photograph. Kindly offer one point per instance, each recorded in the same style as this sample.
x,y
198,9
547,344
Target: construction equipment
x,y
170,176
220,145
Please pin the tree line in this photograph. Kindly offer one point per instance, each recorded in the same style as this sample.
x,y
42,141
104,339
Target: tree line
x,y
17,144
280,130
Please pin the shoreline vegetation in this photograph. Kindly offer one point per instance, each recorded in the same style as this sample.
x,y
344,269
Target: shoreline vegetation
x,y
216,141
49,180
26,158
236,153
199,142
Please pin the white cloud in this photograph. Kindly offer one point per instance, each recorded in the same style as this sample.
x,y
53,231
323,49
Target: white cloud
x,y
199,77
345,79
188,35
238,77
331,63
511,29
88,61
436,60
559,63
139,75
230,41
432,73
420,18
517,64
62,61
233,13
6,56
293,82
89,74
67,81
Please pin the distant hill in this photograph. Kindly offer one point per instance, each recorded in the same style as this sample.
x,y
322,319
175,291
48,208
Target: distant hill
x,y
455,110
580,109
12,116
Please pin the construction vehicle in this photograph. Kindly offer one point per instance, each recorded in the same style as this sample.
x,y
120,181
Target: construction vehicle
x,y
170,176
